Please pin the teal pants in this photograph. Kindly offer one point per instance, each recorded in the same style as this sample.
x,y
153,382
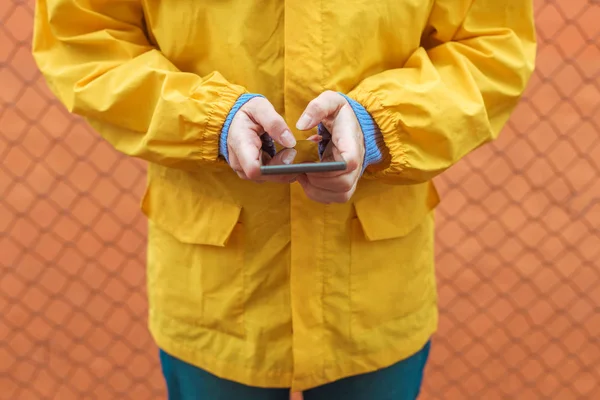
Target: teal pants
x,y
401,381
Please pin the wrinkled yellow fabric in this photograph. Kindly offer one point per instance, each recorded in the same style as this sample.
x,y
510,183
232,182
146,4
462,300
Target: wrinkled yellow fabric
x,y
256,283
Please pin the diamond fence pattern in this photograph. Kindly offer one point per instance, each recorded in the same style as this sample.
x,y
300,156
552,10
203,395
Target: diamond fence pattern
x,y
518,240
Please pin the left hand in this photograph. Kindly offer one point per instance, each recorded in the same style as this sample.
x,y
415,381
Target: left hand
x,y
250,123
337,116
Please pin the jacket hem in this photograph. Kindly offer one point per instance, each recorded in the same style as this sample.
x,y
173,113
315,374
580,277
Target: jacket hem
x,y
358,363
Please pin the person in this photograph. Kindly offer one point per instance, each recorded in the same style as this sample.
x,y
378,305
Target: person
x,y
322,282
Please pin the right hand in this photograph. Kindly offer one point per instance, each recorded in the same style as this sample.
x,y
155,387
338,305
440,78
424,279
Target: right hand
x,y
244,144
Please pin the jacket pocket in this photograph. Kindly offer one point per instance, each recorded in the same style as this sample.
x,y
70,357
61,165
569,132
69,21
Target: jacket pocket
x,y
195,257
392,252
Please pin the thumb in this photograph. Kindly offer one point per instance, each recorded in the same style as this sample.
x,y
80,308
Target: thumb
x,y
327,104
285,156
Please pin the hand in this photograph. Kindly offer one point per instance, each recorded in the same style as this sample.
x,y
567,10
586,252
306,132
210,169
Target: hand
x,y
337,116
244,142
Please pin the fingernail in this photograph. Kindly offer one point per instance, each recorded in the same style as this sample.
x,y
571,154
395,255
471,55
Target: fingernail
x,y
304,122
289,156
287,139
315,138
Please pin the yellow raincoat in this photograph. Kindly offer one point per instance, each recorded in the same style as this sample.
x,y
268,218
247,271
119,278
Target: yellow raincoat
x,y
256,283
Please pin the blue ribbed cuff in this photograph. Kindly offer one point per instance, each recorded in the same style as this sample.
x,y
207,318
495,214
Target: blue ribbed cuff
x,y
371,133
243,99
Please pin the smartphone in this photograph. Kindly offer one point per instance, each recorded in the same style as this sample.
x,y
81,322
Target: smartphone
x,y
303,168
307,160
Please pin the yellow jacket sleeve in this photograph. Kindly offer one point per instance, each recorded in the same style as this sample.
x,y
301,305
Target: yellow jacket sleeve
x,y
455,92
97,60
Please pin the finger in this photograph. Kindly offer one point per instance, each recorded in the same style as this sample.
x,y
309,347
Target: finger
x,y
264,114
281,178
242,175
325,105
331,154
280,158
245,177
233,160
315,138
338,184
236,167
346,137
286,156
247,149
324,196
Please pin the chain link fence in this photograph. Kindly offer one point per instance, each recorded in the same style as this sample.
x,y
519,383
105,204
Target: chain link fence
x,y
518,244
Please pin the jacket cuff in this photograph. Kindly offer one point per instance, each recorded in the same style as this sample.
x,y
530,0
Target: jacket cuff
x,y
243,99
372,135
